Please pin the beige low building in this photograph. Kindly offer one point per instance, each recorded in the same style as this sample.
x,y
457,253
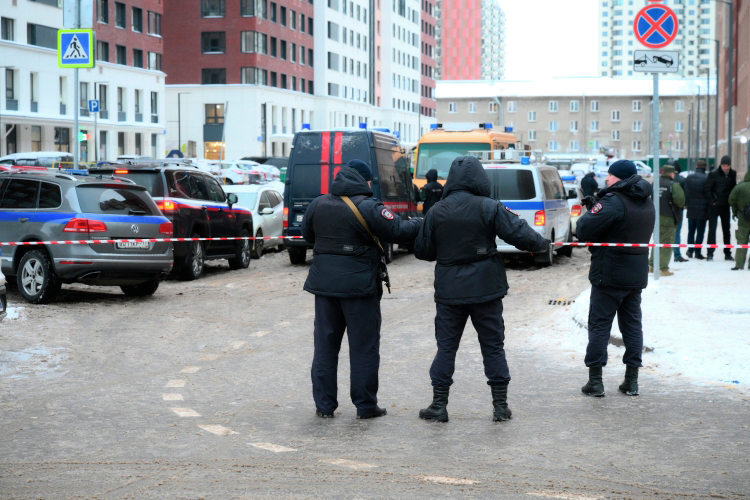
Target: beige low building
x,y
583,115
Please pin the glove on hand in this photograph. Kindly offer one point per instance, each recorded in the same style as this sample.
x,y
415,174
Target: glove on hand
x,y
589,202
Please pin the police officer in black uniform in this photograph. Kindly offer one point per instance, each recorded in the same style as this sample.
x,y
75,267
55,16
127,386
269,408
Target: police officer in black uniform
x,y
345,281
432,192
624,213
459,233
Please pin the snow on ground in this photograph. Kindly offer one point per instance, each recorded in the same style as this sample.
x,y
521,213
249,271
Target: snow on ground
x,y
14,313
697,322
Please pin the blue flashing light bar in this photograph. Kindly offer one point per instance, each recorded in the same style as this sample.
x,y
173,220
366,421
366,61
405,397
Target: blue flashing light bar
x,y
568,178
434,126
525,160
73,171
487,126
509,129
363,125
382,129
305,126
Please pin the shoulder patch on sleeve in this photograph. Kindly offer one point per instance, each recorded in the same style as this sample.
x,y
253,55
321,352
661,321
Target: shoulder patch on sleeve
x,y
596,208
511,211
610,194
387,214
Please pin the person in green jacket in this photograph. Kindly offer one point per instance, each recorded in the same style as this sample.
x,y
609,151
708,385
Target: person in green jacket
x,y
739,199
671,201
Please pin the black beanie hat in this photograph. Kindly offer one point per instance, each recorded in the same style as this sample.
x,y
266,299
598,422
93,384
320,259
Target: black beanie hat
x,y
361,167
725,160
623,169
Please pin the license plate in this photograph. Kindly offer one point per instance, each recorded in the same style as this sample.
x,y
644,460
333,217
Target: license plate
x,y
131,245
300,217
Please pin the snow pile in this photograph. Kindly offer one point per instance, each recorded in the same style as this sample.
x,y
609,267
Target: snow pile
x,y
697,322
14,313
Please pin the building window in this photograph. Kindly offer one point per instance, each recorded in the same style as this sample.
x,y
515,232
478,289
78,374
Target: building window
x,y
615,116
637,126
492,107
254,8
62,139
637,105
138,144
333,89
310,27
154,23
154,153
333,31
283,81
636,146
333,61
532,116
293,53
574,106
574,126
615,135
137,20
254,76
282,15
214,114
214,76
102,11
120,143
41,36
36,138
154,107
292,20
472,107
552,146
273,79
8,29
512,106
121,100
302,56
594,126
553,106
254,42
10,85
102,51
121,54
282,50
573,146
594,106
137,58
213,42
120,15
154,61
678,126
451,107
679,106
213,8
532,135
553,126
83,98
273,12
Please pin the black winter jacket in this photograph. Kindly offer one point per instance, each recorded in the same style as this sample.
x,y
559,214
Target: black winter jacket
x,y
589,185
718,186
469,269
697,203
432,191
624,214
345,257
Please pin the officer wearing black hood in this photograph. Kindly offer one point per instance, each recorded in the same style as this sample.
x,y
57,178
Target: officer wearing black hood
x,y
432,192
459,233
624,213
345,281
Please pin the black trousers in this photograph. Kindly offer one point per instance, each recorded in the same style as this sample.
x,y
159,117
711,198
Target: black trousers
x,y
487,318
605,303
714,213
360,317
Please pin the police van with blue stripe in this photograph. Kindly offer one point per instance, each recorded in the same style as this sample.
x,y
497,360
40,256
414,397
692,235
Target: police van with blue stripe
x,y
535,192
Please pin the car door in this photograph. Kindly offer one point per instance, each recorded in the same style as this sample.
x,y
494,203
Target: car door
x,y
16,207
277,203
264,201
199,192
221,217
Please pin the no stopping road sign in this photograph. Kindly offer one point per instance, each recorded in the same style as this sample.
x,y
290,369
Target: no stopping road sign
x,y
655,26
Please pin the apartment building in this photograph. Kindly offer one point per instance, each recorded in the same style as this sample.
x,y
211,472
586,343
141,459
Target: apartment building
x,y
470,40
583,115
740,81
264,68
36,113
694,40
428,63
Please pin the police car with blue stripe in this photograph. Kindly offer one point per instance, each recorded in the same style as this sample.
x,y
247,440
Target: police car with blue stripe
x,y
535,192
52,205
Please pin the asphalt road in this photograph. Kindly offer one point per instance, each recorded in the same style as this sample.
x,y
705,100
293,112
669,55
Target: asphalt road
x,y
203,391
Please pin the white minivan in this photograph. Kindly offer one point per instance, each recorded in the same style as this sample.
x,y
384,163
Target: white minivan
x,y
536,193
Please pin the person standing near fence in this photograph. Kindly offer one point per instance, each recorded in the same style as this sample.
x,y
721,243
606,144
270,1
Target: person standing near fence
x,y
697,209
719,184
671,201
739,201
680,213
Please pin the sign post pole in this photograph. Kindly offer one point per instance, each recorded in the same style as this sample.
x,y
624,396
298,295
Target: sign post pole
x,y
76,97
655,128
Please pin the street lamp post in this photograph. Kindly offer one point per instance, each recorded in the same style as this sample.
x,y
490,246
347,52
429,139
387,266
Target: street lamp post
x,y
716,100
179,121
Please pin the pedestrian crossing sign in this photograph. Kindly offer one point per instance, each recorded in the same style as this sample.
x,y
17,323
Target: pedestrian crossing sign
x,y
75,48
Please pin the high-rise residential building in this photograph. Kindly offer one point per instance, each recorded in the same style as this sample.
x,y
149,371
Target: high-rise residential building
x,y
617,42
470,40
428,63
36,113
263,69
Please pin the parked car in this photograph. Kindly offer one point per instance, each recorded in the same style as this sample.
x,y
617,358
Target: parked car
x,y
45,159
575,203
134,158
275,161
535,192
3,297
315,161
267,206
44,206
199,208
645,171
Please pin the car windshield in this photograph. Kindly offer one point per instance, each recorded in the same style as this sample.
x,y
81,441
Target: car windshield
x,y
98,199
247,200
440,155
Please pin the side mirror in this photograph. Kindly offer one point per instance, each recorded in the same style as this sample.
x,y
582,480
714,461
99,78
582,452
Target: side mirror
x,y
572,195
267,211
232,198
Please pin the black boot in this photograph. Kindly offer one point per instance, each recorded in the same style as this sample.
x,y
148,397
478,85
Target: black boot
x,y
594,387
500,402
437,410
374,413
630,384
690,253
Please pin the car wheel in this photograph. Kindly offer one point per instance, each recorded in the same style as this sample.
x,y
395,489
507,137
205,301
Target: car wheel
x,y
242,258
194,260
36,278
258,245
142,290
228,182
547,258
297,255
567,251
388,253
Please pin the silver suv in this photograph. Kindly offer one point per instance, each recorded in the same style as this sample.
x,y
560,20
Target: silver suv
x,y
45,206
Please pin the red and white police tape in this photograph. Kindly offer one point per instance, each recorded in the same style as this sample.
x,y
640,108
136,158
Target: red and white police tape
x,y
179,240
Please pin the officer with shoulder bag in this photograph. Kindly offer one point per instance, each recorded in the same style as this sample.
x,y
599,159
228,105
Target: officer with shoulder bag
x,y
346,228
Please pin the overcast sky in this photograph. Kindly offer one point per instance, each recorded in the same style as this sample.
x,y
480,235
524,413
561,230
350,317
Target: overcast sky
x,y
550,38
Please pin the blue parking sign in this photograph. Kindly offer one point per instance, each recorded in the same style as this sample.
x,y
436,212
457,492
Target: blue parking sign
x,y
93,105
75,48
